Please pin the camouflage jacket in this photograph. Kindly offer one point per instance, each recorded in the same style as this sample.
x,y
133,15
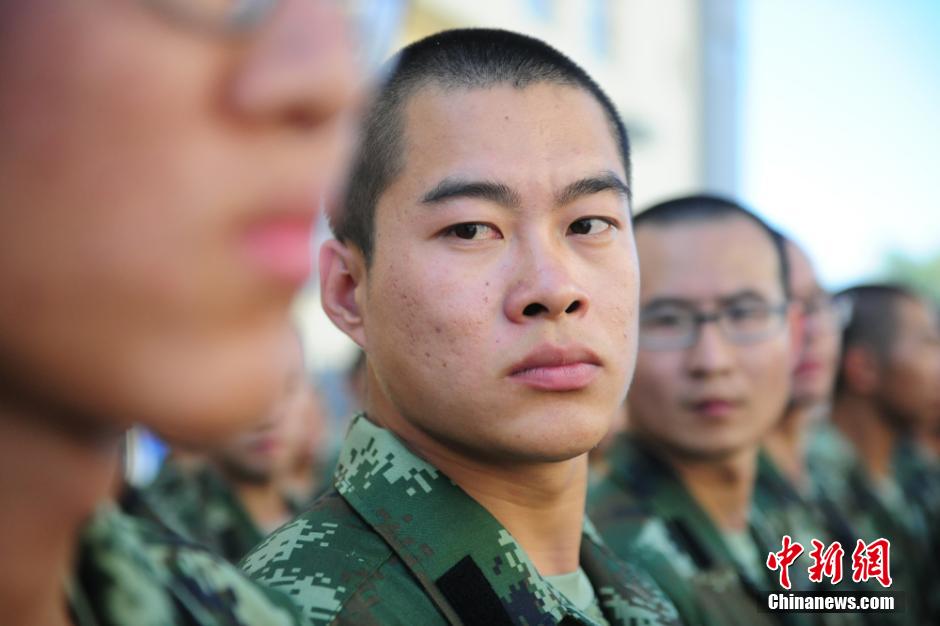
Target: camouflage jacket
x,y
129,571
843,488
918,476
787,512
645,513
202,506
397,542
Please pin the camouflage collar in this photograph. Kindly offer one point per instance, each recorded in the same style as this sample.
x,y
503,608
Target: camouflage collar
x,y
470,565
642,472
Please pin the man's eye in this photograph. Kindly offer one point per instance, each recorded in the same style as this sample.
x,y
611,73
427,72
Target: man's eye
x,y
472,230
589,226
747,312
665,319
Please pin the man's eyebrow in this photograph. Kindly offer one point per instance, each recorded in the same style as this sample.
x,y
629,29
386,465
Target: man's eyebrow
x,y
451,188
656,303
673,301
590,185
743,294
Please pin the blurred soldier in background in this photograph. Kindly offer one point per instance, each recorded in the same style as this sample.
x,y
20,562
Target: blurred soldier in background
x,y
308,472
784,492
868,466
160,171
241,492
712,377
486,266
814,371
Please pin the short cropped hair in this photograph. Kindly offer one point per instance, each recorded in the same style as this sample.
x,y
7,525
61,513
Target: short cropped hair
x,y
453,59
708,208
873,318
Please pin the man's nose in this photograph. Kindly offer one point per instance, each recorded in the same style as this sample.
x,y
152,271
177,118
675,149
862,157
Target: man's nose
x,y
546,286
299,69
711,354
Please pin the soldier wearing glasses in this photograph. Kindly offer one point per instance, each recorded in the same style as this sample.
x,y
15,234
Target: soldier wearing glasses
x,y
712,377
161,166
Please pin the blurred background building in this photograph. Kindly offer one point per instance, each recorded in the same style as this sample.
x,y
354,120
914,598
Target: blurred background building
x,y
823,116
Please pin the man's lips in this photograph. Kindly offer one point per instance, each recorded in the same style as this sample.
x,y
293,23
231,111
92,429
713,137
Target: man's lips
x,y
280,244
808,367
713,407
557,368
266,445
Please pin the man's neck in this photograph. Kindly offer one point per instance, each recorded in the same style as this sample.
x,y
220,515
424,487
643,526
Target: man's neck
x,y
931,443
786,443
722,487
51,482
264,502
540,504
301,480
874,440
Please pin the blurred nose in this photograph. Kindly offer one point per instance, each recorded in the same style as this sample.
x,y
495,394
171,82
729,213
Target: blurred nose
x,y
300,69
545,286
711,354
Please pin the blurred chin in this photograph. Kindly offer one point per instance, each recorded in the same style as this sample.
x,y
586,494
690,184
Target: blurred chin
x,y
206,420
809,392
702,445
218,390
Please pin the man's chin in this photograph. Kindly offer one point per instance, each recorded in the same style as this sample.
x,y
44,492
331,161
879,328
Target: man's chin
x,y
246,474
550,452
703,450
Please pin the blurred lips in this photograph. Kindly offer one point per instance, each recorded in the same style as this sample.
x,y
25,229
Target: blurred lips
x,y
807,367
266,445
279,243
713,407
556,368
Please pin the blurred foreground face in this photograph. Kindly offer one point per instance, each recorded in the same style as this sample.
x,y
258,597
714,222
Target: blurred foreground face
x,y
159,184
716,396
503,323
907,391
261,454
818,357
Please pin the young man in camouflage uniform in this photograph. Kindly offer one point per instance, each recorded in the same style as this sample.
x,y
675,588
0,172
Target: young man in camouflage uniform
x,y
160,168
866,465
679,492
485,263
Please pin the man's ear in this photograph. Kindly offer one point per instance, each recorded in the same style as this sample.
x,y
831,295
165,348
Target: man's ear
x,y
342,286
860,370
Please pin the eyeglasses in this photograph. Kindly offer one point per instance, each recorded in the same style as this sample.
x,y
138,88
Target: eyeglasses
x,y
375,23
825,308
217,16
678,325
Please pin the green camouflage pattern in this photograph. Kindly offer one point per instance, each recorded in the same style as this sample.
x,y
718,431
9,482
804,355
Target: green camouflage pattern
x,y
646,514
843,487
159,502
201,505
918,474
129,571
397,542
787,512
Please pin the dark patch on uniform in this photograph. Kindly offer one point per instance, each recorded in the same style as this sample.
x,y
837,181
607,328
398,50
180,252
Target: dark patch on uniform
x,y
682,536
471,596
